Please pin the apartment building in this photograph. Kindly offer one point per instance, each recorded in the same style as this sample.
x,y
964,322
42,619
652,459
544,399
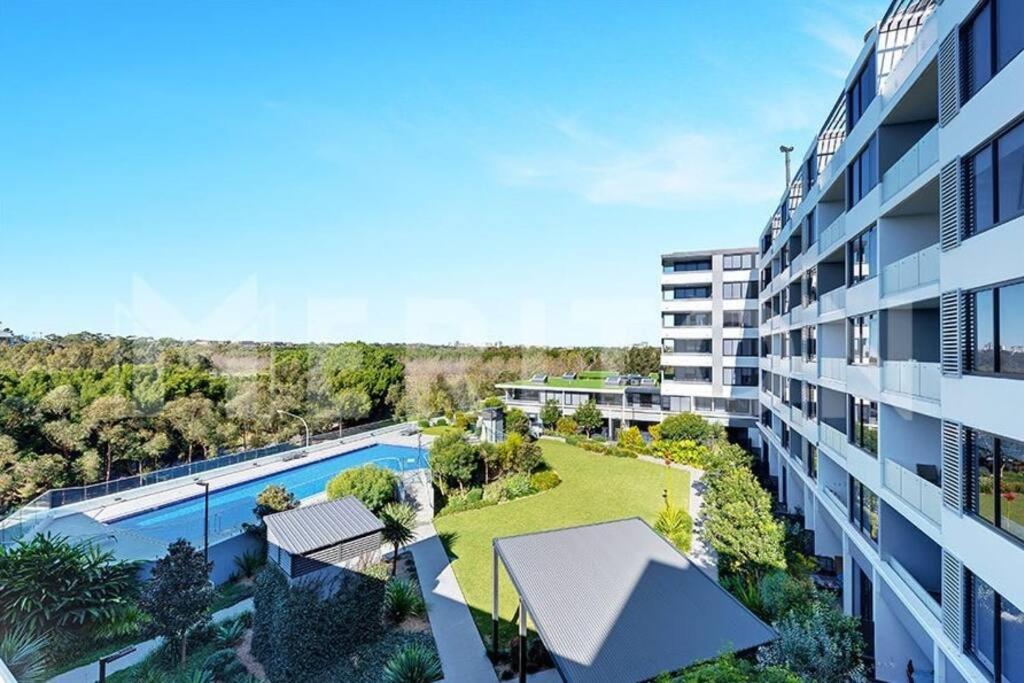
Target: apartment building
x,y
709,337
892,337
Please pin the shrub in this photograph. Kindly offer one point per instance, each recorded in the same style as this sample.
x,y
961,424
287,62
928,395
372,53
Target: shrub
x,y
545,480
412,664
598,438
589,418
453,461
493,402
462,421
460,502
782,595
519,455
402,599
688,426
224,665
747,590
178,594
274,498
684,452
423,424
509,488
516,422
740,526
630,439
566,426
572,440
373,485
617,452
675,525
729,669
229,632
440,422
822,645
249,563
25,653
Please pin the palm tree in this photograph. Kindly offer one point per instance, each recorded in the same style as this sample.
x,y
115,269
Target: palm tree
x,y
398,519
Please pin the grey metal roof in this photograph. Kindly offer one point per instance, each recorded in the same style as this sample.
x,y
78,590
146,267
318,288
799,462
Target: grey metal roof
x,y
615,602
311,527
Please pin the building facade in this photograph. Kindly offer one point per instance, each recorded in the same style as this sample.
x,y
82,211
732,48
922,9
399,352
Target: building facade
x,y
892,341
709,337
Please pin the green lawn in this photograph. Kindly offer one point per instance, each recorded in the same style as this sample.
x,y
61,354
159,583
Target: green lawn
x,y
595,488
440,430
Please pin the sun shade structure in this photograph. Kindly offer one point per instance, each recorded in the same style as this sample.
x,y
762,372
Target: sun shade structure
x,y
615,603
312,537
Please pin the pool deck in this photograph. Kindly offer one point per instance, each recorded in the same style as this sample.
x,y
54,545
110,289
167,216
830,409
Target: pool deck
x,y
141,500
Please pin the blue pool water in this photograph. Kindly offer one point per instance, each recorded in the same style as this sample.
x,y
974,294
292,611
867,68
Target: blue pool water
x,y
231,507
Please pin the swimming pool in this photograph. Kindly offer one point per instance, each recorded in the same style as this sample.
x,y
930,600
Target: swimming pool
x,y
231,507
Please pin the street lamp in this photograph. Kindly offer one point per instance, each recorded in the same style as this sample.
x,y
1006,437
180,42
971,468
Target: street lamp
x,y
304,423
206,520
111,657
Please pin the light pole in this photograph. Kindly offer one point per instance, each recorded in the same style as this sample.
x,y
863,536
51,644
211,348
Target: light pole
x,y
111,657
206,519
304,423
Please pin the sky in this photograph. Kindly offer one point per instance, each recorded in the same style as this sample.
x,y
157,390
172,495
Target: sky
x,y
477,172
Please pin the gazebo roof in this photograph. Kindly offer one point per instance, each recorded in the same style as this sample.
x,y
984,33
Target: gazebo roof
x,y
311,527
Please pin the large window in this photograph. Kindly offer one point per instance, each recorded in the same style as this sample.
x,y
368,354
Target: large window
x,y
996,338
694,292
810,343
996,476
738,261
811,462
739,290
864,423
810,401
739,377
864,510
860,94
686,345
739,347
989,41
738,406
812,227
862,254
687,319
995,631
862,173
739,318
864,336
697,374
994,182
686,266
811,286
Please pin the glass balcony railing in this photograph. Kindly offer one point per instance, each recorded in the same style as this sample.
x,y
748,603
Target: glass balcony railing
x,y
832,233
832,301
833,438
918,158
916,491
832,368
915,270
927,35
913,378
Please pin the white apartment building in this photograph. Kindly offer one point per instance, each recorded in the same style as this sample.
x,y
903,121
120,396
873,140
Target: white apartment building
x,y
892,331
709,337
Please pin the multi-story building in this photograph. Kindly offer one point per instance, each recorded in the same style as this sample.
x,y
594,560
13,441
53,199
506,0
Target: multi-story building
x,y
709,337
892,329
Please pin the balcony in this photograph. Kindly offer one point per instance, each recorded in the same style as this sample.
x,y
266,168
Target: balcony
x,y
912,378
832,301
917,492
920,268
918,158
913,54
832,368
832,233
833,438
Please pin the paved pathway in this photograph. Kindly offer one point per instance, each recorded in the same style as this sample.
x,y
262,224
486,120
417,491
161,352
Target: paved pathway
x,y
90,672
462,653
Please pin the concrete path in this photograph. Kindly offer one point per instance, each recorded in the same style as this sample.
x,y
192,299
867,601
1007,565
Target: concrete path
x,y
90,672
462,653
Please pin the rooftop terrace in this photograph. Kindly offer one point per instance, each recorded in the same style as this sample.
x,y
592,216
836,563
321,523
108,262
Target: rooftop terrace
x,y
590,379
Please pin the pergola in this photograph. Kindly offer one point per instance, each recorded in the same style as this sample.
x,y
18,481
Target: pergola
x,y
615,602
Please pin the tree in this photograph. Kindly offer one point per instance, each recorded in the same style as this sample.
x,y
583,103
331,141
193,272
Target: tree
x,y
373,485
274,498
589,417
195,418
550,413
107,419
452,459
686,426
642,359
246,408
351,404
519,455
516,422
740,526
399,520
822,645
566,426
492,459
178,595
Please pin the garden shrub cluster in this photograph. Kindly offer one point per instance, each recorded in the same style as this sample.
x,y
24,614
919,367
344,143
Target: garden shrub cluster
x,y
545,480
374,486
297,635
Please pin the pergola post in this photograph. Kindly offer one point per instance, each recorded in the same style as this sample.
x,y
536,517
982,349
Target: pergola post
x,y
522,641
494,601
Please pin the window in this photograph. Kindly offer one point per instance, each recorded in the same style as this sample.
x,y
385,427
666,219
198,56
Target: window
x,y
864,419
784,346
810,343
739,319
861,93
686,345
996,481
995,631
980,190
690,374
864,510
862,173
687,319
1010,173
864,337
989,41
811,171
739,347
811,401
811,462
861,256
784,257
686,266
739,290
811,286
739,377
741,406
784,300
993,182
738,261
996,336
812,226
695,292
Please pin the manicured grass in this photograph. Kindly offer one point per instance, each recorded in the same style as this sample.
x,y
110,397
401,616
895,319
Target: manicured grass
x,y
594,488
441,431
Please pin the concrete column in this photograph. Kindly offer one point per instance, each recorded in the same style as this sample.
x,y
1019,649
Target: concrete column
x,y
522,641
494,601
847,574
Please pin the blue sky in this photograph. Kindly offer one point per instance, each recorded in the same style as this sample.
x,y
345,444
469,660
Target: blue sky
x,y
418,171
